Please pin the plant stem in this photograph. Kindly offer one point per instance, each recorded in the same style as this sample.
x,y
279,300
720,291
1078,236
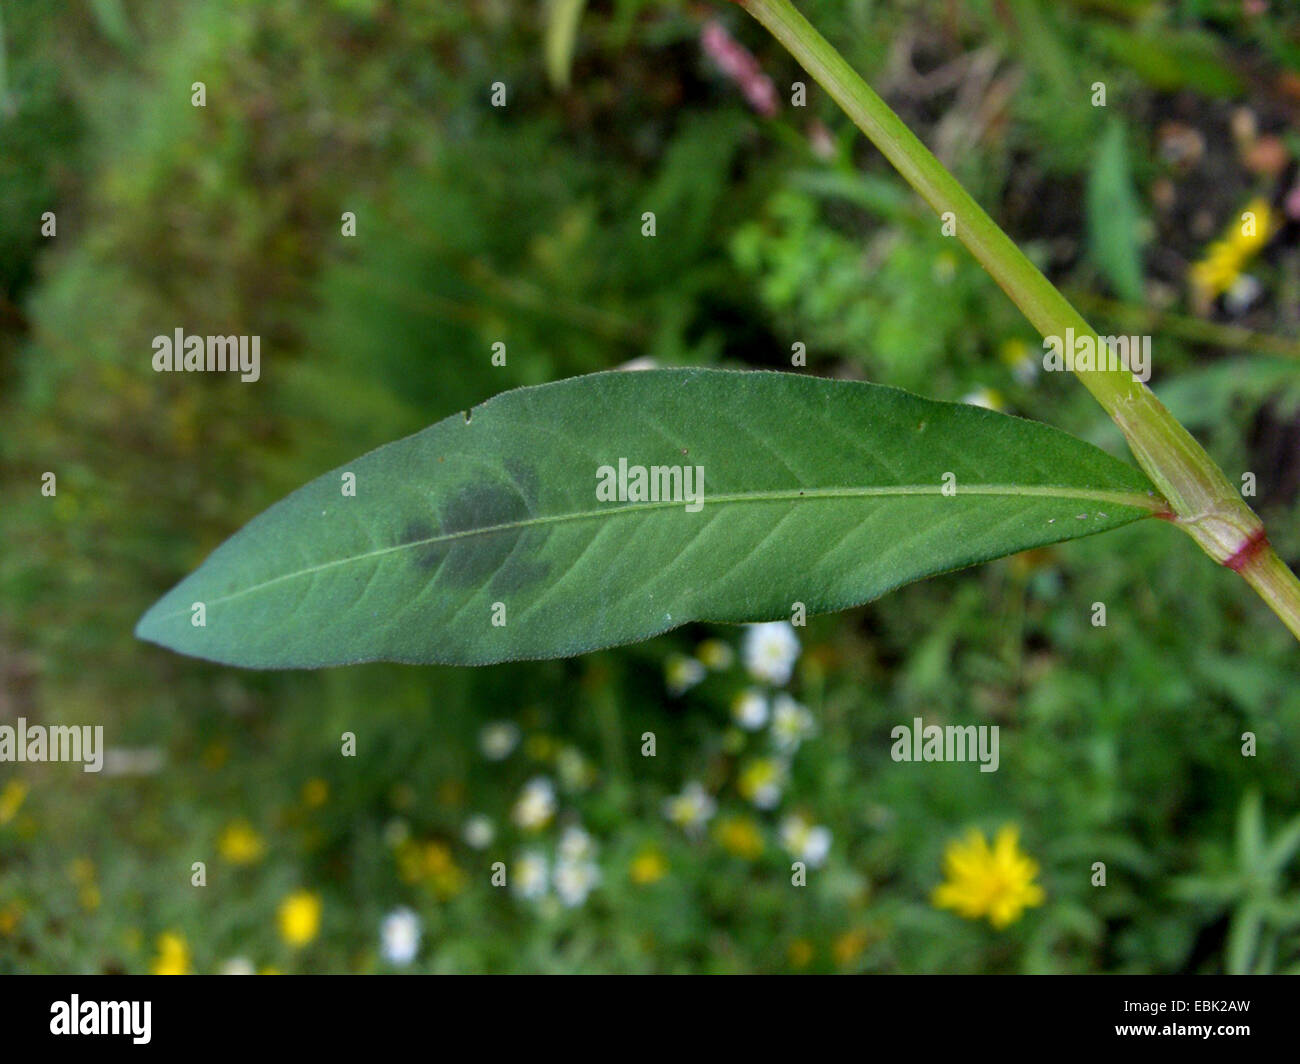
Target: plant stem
x,y
1277,585
1202,501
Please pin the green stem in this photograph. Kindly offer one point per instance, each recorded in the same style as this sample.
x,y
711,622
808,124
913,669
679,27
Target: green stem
x,y
1277,585
1202,501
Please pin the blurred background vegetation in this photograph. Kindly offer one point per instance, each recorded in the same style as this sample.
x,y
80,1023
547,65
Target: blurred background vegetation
x,y
776,225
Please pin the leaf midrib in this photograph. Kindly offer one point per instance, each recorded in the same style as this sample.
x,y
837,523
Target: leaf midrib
x,y
1151,503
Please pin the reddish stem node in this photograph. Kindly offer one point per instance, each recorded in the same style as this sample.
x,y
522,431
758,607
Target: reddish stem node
x,y
1249,551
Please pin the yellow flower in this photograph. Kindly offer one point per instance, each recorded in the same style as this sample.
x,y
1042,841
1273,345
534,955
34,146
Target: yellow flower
x,y
437,859
299,917
11,799
540,747
1224,259
240,843
739,836
173,955
444,874
410,863
430,863
315,792
451,792
648,866
997,882
89,897
800,952
850,946
9,916
82,870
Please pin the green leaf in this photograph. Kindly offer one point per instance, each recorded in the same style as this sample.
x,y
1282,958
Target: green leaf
x,y
1283,847
1113,217
1206,890
828,493
562,18
1169,59
1250,832
1230,390
111,18
1243,938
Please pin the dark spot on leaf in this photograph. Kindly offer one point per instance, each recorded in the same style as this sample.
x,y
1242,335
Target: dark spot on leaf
x,y
476,537
478,506
522,567
416,531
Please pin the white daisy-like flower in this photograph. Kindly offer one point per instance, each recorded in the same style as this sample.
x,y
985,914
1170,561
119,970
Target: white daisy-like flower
x,y
988,398
530,874
1025,371
691,809
682,673
770,651
805,841
763,780
749,708
1017,355
575,771
238,966
576,845
399,936
791,724
479,831
536,804
574,880
498,739
644,362
1244,291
